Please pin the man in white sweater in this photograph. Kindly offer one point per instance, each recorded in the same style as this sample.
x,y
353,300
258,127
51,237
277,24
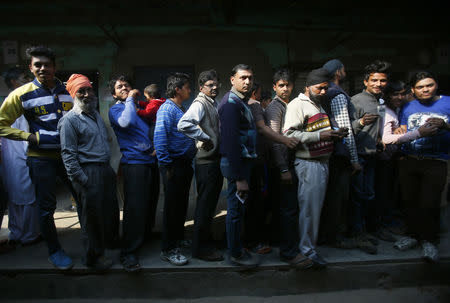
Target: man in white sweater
x,y
307,121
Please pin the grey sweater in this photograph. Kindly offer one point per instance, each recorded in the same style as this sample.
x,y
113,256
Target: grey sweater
x,y
367,136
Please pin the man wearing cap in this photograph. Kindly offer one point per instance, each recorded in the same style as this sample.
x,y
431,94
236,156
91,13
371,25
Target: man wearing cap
x,y
43,102
307,121
85,153
342,164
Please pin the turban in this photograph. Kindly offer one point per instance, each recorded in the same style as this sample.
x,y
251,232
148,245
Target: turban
x,y
317,76
75,82
333,65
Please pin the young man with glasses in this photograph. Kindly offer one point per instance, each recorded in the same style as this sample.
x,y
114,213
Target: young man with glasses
x,y
201,122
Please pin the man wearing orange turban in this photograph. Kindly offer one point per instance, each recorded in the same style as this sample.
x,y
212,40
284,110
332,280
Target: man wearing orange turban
x,y
86,154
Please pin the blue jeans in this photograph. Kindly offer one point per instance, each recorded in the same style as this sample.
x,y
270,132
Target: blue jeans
x,y
43,173
235,209
363,193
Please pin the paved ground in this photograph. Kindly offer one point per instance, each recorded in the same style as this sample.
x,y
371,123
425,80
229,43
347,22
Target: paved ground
x,y
429,294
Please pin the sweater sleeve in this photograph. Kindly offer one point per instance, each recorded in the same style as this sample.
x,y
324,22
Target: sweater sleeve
x,y
274,118
293,125
355,115
230,114
128,115
69,151
189,122
161,137
10,110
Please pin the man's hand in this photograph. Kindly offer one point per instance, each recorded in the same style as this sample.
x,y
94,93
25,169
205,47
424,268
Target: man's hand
x,y
356,168
290,142
286,177
330,135
428,129
134,93
32,139
368,119
207,145
399,131
242,188
438,122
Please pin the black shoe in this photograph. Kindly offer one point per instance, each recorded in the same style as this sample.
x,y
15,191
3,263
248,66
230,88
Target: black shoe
x,y
385,235
365,245
101,263
130,263
245,259
318,260
299,261
210,256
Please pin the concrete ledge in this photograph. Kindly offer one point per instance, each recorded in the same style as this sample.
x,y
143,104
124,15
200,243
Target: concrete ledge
x,y
210,282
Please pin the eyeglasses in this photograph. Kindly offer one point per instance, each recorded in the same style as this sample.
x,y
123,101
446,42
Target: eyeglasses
x,y
218,85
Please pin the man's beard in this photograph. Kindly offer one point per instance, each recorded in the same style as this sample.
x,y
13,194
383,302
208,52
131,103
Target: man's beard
x,y
87,105
316,98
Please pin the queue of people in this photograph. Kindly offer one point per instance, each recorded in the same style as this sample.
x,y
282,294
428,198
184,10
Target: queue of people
x,y
300,171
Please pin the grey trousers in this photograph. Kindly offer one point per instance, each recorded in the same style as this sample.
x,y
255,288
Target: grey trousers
x,y
312,184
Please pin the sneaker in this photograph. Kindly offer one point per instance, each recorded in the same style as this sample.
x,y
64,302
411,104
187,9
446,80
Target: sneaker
x,y
371,238
429,252
385,235
262,249
60,260
130,263
245,259
405,243
100,263
363,243
174,257
299,261
210,256
318,260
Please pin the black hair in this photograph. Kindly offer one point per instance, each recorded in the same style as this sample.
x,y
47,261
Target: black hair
x,y
176,80
377,66
282,74
266,94
255,86
12,74
394,86
40,50
420,75
207,75
240,67
153,91
114,79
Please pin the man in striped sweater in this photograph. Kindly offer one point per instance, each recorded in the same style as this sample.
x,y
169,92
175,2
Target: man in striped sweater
x,y
307,121
175,152
43,102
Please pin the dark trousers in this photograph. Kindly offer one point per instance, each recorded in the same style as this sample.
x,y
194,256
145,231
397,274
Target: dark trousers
x,y
141,192
257,208
177,182
421,185
98,209
289,233
363,195
209,181
386,192
333,222
43,174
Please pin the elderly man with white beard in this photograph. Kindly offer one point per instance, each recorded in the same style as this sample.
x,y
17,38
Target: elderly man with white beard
x,y
86,154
